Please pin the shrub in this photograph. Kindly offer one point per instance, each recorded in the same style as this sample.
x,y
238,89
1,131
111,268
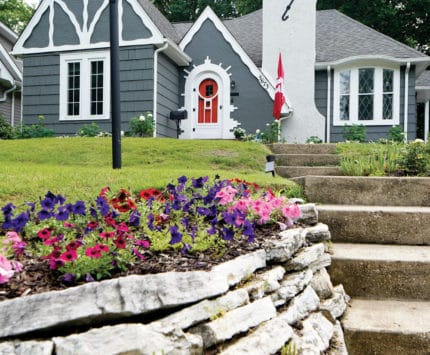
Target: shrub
x,y
239,133
271,133
355,133
89,130
142,126
414,159
314,140
6,130
396,134
37,130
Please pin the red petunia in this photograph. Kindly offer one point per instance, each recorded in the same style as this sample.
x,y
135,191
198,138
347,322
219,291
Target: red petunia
x,y
107,235
120,243
92,225
44,234
102,248
69,256
93,253
74,245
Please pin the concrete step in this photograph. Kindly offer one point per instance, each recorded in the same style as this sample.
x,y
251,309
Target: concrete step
x,y
299,171
382,271
280,148
387,327
377,224
370,191
307,159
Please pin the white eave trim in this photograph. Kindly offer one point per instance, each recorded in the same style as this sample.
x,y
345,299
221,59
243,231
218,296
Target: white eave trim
x,y
420,62
8,33
16,71
175,53
209,14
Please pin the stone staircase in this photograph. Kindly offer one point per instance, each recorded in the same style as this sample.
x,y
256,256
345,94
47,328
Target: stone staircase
x,y
381,254
293,160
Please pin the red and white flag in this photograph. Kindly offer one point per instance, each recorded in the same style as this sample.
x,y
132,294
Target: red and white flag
x,y
279,94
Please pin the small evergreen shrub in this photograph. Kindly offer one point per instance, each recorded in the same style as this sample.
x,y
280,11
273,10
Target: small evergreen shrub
x,y
37,130
89,130
142,126
355,133
396,134
6,130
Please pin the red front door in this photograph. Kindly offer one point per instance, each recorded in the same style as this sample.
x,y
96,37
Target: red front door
x,y
208,102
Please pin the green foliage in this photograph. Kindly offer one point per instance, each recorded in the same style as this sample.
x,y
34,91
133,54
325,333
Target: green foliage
x,y
37,130
89,130
239,133
354,133
142,126
289,349
414,159
15,14
6,130
271,132
314,140
396,134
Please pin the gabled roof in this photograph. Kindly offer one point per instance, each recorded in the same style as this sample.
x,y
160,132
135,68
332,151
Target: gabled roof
x,y
340,36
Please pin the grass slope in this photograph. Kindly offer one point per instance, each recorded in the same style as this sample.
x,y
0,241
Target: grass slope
x,y
80,167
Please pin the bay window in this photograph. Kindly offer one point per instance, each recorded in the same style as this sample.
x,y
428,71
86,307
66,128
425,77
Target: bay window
x,y
367,95
84,86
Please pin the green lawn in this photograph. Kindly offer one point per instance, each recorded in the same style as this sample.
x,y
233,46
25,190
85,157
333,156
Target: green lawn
x,y
80,167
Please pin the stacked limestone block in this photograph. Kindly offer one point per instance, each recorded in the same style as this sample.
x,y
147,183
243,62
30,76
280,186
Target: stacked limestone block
x,y
259,303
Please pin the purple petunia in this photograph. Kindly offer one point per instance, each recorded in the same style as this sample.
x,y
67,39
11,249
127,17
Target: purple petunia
x,y
79,208
44,214
63,214
134,219
176,236
103,206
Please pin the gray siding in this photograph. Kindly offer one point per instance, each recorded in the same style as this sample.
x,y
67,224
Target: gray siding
x,y
167,96
373,132
254,103
64,31
42,85
39,37
6,107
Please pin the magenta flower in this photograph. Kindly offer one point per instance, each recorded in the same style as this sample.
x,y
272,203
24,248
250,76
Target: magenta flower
x,y
69,256
44,234
6,269
93,253
120,243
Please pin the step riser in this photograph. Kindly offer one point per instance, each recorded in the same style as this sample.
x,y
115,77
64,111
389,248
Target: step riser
x,y
377,227
297,171
367,191
359,343
379,279
303,148
307,159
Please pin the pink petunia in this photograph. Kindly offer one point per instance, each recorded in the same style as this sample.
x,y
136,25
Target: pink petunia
x,y
102,248
44,234
69,256
6,269
291,211
226,195
93,253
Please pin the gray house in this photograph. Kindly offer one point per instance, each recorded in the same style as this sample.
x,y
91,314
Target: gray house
x,y
10,78
223,73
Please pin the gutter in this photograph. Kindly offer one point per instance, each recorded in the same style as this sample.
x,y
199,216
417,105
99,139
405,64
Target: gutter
x,y
155,93
406,118
4,98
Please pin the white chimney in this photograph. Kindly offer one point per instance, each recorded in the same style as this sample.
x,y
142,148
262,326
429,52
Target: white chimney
x,y
289,28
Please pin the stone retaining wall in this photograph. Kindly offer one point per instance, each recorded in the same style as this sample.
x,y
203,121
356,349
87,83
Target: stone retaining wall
x,y
254,304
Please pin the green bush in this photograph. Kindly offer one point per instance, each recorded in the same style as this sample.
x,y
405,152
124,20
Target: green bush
x,y
314,140
396,134
142,126
271,133
414,159
89,130
6,130
37,130
354,133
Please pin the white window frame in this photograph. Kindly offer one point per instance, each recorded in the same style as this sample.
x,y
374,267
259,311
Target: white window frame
x,y
377,96
85,59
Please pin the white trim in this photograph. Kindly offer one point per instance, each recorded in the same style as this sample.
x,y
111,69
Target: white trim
x,y
11,63
84,34
85,97
155,88
11,35
328,118
209,14
426,121
378,97
406,108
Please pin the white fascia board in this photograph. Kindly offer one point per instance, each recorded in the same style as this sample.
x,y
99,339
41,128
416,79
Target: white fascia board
x,y
8,33
209,14
373,60
5,55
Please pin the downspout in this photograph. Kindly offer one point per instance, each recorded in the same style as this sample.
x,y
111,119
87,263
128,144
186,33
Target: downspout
x,y
328,123
406,118
426,121
155,98
4,98
12,113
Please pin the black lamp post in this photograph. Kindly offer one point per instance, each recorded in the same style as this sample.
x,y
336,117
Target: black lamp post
x,y
115,87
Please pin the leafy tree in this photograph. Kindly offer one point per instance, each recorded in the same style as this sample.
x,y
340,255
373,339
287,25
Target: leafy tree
x,y
404,20
244,7
15,14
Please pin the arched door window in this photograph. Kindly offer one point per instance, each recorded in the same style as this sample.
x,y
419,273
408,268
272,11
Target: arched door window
x,y
208,102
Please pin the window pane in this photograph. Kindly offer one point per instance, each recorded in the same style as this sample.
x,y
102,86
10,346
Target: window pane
x,y
365,107
73,89
97,70
344,108
366,80
387,109
345,79
388,80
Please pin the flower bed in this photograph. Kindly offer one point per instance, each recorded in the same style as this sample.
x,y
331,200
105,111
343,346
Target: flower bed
x,y
59,244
